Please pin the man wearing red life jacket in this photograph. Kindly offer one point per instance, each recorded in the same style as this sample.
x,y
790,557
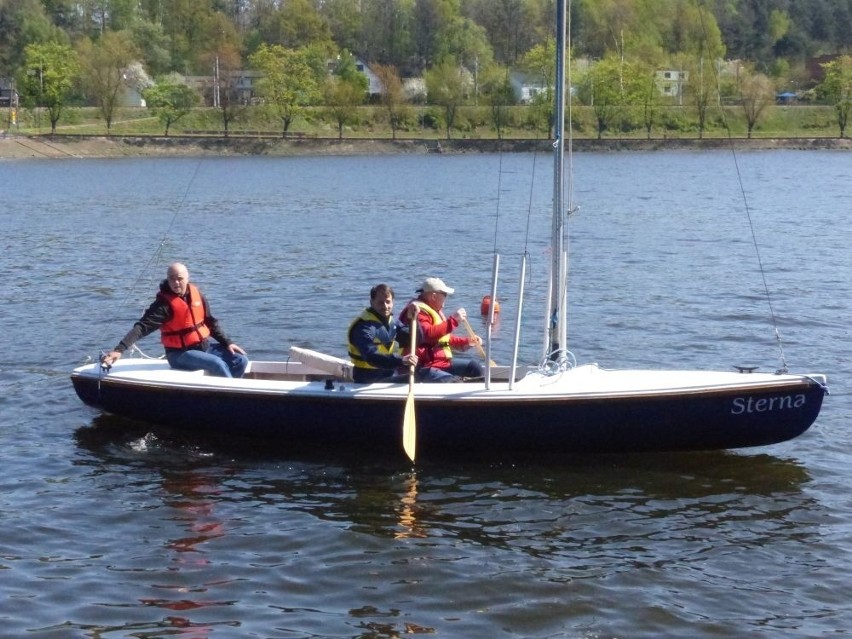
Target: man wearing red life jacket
x,y
435,349
183,316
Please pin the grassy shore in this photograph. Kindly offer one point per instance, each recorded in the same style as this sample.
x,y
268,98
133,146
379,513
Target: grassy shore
x,y
81,146
136,132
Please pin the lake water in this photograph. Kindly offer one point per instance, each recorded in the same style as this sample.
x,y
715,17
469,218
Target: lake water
x,y
112,529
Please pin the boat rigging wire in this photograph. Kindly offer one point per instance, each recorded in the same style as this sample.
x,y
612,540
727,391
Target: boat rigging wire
x,y
158,253
730,138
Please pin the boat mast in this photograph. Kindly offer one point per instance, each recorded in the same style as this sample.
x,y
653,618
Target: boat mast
x,y
558,273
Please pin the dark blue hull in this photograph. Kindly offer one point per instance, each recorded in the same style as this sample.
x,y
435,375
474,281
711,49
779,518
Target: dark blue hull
x,y
664,422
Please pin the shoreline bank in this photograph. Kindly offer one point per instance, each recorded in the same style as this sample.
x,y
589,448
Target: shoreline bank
x,y
14,147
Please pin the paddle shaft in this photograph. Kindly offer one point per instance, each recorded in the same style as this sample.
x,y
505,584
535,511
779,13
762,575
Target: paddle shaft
x,y
472,335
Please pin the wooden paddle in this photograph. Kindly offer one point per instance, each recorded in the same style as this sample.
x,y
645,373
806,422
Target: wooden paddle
x,y
409,423
479,348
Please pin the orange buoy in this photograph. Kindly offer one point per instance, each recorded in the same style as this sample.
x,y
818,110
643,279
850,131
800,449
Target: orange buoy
x,y
485,306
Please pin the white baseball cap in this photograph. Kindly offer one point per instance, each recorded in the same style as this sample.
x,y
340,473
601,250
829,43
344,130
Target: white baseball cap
x,y
435,284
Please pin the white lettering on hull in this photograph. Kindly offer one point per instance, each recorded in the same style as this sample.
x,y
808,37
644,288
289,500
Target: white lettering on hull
x,y
747,405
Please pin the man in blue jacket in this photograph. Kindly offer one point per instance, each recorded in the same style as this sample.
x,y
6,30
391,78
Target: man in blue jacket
x,y
374,341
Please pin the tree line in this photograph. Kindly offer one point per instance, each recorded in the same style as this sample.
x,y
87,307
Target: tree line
x,y
177,35
81,51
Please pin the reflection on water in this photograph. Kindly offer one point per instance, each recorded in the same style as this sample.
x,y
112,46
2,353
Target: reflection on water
x,y
408,511
192,494
373,495
562,523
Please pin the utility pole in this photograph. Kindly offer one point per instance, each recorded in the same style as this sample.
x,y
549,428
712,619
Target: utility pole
x,y
216,82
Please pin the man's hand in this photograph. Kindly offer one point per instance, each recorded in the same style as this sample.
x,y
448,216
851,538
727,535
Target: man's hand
x,y
410,360
110,358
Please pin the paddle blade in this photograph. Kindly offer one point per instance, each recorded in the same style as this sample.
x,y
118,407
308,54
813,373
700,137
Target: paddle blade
x,y
409,426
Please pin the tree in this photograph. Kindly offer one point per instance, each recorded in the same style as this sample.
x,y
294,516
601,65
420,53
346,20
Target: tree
x,y
612,87
392,96
342,99
386,36
607,24
508,24
222,57
836,89
153,46
104,66
540,63
500,95
24,22
292,24
170,101
601,89
445,86
345,91
187,23
693,31
225,61
48,77
466,43
345,19
108,15
289,83
756,93
650,101
347,69
701,88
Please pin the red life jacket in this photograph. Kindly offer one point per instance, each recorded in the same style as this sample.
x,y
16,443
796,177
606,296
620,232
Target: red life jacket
x,y
437,354
186,326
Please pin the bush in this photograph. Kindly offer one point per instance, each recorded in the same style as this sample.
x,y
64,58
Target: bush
x,y
430,119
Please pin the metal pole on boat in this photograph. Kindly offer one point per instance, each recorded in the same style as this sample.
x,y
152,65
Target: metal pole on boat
x,y
516,345
559,332
495,269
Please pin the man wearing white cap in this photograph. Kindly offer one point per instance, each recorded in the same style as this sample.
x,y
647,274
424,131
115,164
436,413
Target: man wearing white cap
x,y
436,345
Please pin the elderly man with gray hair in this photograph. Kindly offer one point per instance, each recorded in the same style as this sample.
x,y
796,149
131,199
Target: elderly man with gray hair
x,y
183,316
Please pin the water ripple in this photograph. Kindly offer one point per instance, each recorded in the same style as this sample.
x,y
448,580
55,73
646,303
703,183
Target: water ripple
x,y
114,529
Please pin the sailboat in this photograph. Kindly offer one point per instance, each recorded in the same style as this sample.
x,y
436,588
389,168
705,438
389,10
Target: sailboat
x,y
556,407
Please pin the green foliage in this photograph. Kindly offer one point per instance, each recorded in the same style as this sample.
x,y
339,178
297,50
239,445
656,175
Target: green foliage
x,y
153,46
47,78
392,97
522,122
611,85
22,23
498,92
756,94
412,36
104,65
430,119
836,89
170,102
343,96
446,86
289,83
347,70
